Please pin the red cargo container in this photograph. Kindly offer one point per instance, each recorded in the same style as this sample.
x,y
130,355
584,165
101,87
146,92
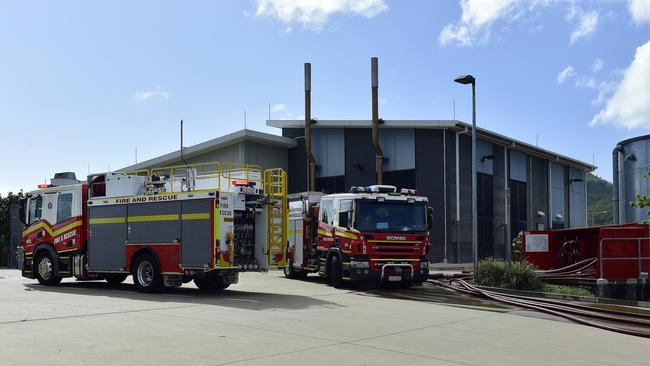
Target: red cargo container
x,y
625,249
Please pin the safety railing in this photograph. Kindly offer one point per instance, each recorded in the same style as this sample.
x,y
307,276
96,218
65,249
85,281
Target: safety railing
x,y
196,176
639,258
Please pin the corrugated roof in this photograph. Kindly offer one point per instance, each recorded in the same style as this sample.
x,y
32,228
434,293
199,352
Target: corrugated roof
x,y
440,124
216,143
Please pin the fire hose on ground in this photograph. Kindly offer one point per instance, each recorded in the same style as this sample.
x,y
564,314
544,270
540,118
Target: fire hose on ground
x,y
572,312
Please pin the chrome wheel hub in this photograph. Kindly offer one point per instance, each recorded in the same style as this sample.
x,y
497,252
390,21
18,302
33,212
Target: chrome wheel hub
x,y
45,268
145,273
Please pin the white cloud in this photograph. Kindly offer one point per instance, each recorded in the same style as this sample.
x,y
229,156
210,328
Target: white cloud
x,y
597,65
278,107
315,13
629,106
475,21
564,74
587,22
640,11
157,92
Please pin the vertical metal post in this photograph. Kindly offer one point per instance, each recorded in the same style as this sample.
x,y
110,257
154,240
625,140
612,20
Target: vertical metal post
x,y
444,188
506,181
457,201
474,193
379,155
311,162
638,244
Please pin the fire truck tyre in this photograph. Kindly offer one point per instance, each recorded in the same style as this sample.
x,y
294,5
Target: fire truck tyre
x,y
336,272
146,275
290,272
45,270
115,279
210,283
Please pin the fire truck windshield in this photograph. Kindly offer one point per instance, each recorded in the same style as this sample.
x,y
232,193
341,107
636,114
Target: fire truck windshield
x,y
390,216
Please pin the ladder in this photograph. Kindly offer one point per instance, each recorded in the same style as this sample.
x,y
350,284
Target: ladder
x,y
275,189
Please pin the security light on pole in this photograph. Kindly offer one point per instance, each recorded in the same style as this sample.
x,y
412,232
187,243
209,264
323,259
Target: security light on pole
x,y
469,79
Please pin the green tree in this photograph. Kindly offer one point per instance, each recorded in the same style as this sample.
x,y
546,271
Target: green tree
x,y
5,225
599,201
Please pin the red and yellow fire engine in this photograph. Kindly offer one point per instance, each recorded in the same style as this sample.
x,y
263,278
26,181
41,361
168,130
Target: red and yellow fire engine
x,y
166,226
372,234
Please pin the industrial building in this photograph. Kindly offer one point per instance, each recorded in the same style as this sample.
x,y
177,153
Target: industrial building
x,y
630,159
520,186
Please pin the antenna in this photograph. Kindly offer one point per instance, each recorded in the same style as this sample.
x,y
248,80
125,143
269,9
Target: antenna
x,y
269,111
88,168
182,158
454,109
244,119
536,138
136,155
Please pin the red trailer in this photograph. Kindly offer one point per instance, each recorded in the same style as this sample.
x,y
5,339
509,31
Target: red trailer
x,y
622,251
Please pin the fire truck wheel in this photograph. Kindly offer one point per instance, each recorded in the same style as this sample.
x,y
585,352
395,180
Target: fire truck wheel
x,y
146,275
45,270
336,272
210,283
115,279
290,272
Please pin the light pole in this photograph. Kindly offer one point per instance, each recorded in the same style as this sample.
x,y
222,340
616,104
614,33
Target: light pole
x,y
469,79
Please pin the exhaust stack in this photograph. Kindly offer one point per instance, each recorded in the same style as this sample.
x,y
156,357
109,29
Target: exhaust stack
x,y
311,162
379,155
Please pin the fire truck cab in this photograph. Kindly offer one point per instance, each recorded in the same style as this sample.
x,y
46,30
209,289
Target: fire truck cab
x,y
372,234
204,222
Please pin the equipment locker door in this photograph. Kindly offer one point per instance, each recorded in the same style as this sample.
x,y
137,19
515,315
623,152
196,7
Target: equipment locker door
x,y
106,238
196,233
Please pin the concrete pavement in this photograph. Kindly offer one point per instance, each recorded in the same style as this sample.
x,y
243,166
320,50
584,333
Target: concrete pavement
x,y
269,320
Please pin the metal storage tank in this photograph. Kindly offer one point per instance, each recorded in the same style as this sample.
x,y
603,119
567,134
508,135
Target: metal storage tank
x,y
630,160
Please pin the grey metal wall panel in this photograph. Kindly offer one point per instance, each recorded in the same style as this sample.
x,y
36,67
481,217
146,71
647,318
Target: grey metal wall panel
x,y
154,231
297,161
465,183
453,231
328,146
398,146
106,241
268,157
429,182
577,211
518,166
538,193
359,157
196,241
501,237
484,153
558,185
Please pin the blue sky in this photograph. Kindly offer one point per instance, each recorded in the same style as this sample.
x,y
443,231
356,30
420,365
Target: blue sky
x,y
85,83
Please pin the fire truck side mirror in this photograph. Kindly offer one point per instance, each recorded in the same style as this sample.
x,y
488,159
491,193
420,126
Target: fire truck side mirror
x,y
429,218
344,219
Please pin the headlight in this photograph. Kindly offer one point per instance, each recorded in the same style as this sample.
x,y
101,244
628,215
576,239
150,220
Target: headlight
x,y
424,264
359,265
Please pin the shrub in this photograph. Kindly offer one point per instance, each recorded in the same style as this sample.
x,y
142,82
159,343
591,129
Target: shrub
x,y
518,275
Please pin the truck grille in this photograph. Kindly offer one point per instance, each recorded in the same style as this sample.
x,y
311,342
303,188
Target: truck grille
x,y
394,247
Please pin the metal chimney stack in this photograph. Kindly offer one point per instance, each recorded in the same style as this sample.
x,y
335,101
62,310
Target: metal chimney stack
x,y
379,155
311,162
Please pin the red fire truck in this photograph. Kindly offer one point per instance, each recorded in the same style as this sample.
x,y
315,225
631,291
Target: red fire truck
x,y
166,226
372,234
